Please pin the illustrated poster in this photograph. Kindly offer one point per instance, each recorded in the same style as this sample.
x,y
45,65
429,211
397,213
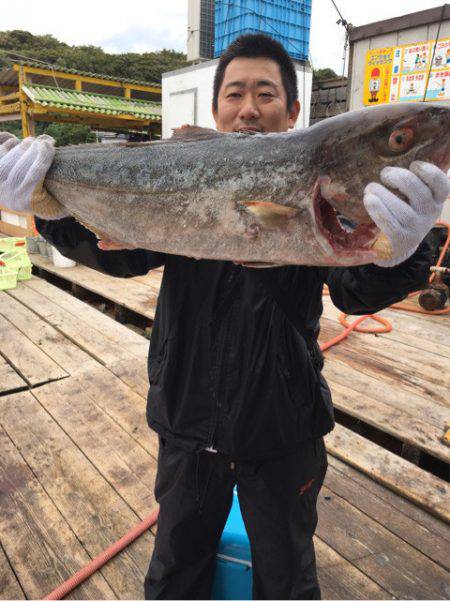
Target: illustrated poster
x,y
402,73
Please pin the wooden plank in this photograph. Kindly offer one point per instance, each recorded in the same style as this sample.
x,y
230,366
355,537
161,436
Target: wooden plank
x,y
91,341
122,291
340,579
427,363
28,360
392,420
9,379
40,545
96,513
122,404
61,350
123,462
414,405
9,585
420,372
135,375
396,502
134,343
406,479
408,328
392,563
404,525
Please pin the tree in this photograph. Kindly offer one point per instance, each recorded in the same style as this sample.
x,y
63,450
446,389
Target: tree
x,y
325,73
64,133
148,66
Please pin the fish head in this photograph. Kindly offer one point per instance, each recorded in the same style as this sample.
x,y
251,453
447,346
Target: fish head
x,y
350,152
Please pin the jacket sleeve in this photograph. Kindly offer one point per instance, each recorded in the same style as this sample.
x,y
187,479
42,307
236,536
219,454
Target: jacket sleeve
x,y
76,242
368,288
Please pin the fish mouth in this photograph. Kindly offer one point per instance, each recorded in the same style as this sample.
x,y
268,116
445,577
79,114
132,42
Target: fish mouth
x,y
339,234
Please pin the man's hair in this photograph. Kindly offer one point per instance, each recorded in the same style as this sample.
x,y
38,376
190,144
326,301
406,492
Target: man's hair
x,y
258,46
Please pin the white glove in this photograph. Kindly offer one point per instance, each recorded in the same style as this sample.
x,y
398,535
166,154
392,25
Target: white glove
x,y
426,187
23,166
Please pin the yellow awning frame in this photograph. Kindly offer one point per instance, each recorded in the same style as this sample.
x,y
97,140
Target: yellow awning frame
x,y
15,105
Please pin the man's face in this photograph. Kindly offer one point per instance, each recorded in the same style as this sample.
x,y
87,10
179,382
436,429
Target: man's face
x,y
252,97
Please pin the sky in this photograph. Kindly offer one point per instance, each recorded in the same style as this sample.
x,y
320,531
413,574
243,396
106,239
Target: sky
x,y
146,25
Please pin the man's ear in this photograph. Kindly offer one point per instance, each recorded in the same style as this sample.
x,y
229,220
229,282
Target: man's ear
x,y
294,112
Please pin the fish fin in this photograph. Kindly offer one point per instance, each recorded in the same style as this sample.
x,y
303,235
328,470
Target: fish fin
x,y
192,133
44,205
383,247
269,214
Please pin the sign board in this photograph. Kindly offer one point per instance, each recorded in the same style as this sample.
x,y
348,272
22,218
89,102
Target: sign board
x,y
402,73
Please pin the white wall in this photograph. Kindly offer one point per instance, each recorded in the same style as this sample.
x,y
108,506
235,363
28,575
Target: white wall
x,y
187,96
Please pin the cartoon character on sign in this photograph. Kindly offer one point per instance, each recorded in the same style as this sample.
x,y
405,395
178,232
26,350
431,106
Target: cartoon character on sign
x,y
374,85
412,89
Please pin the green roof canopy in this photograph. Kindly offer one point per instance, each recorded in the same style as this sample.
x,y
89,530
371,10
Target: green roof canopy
x,y
104,104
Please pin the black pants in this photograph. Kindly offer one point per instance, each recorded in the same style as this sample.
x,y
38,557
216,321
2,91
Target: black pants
x,y
278,502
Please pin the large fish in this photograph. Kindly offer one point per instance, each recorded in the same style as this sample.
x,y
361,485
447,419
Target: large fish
x,y
279,198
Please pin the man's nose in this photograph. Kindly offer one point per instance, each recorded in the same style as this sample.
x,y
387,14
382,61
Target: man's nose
x,y
248,109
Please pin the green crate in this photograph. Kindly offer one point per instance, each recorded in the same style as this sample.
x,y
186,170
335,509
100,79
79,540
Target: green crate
x,y
17,260
8,278
10,243
24,273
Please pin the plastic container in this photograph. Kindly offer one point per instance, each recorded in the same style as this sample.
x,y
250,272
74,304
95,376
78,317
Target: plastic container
x,y
42,246
60,260
17,260
10,243
288,21
32,245
8,277
233,576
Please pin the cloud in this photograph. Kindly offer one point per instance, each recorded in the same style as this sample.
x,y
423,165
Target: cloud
x,y
137,38
146,25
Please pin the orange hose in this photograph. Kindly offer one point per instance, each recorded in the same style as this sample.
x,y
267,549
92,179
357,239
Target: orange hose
x,y
354,327
66,587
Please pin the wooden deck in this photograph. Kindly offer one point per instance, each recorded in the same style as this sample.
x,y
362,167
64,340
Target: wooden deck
x,y
77,461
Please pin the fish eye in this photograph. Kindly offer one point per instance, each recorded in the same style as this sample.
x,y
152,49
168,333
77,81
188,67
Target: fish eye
x,y
401,140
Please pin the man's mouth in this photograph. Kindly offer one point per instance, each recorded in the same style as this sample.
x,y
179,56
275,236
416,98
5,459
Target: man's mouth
x,y
343,234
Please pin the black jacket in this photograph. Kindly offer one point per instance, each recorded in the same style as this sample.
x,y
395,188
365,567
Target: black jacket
x,y
226,366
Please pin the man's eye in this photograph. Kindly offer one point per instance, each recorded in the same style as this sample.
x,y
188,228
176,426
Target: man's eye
x,y
266,94
234,95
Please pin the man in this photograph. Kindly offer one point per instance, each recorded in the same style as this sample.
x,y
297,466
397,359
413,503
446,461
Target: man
x,y
236,393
